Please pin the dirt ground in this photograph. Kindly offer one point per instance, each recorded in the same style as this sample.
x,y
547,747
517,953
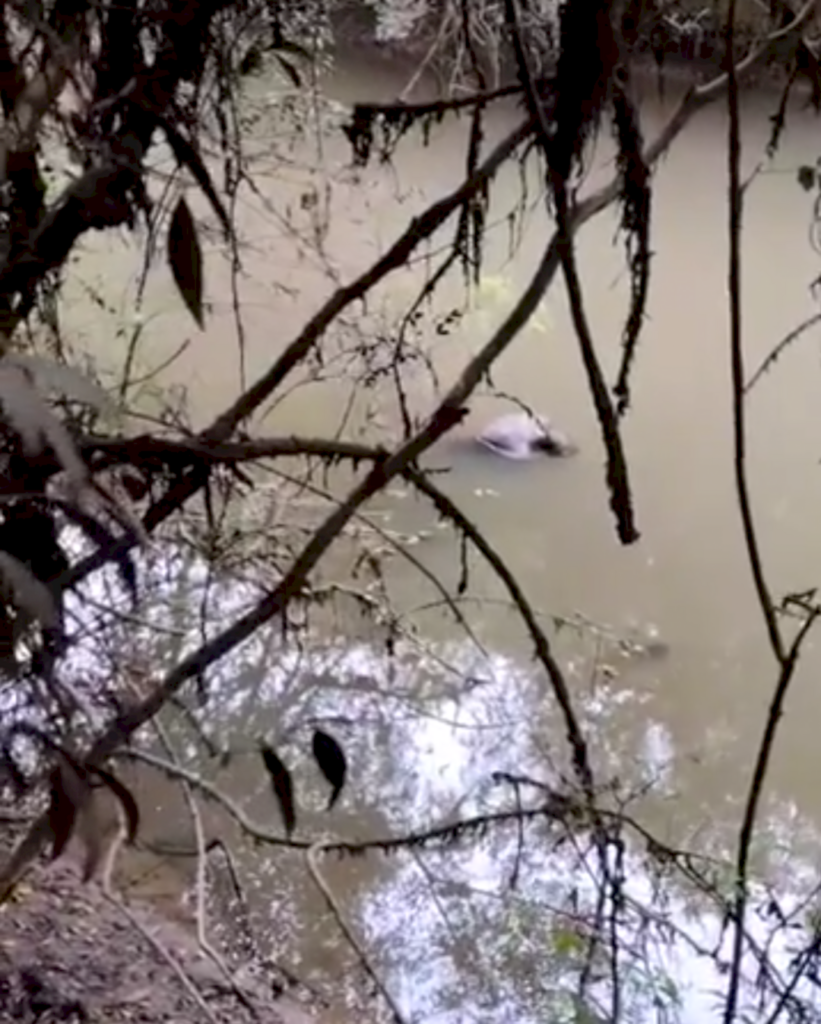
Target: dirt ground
x,y
69,954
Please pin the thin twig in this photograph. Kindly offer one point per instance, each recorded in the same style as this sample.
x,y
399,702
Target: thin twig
x,y
736,201
575,736
786,657
420,228
778,350
404,552
208,789
164,953
311,855
739,907
201,883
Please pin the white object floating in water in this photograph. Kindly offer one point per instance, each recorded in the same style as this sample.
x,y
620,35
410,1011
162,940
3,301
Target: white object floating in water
x,y
520,435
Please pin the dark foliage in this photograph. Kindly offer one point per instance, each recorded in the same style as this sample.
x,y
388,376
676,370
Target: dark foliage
x,y
635,223
588,56
185,259
282,786
330,758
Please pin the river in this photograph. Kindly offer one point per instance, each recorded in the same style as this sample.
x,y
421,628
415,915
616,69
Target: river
x,y
691,721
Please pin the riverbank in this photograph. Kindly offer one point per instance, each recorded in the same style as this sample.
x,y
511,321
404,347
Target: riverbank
x,y
71,952
688,47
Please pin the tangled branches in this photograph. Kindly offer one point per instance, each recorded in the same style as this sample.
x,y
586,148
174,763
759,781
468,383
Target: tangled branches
x,y
139,71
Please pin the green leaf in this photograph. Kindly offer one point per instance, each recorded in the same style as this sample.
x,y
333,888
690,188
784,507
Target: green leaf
x,y
185,259
806,177
567,943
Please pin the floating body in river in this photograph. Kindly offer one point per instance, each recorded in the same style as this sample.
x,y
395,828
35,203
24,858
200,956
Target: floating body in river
x,y
522,436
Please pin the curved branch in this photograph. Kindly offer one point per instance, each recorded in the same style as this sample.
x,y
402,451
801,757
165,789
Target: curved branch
x,y
778,350
785,656
450,511
319,880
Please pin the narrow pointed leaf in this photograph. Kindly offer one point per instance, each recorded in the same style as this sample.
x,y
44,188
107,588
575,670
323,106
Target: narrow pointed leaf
x,y
185,259
330,758
282,785
290,71
62,813
187,156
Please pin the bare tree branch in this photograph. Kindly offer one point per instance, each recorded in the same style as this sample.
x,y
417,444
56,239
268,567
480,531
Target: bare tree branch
x,y
785,656
780,348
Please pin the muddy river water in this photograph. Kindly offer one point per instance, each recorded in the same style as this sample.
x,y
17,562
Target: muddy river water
x,y
691,720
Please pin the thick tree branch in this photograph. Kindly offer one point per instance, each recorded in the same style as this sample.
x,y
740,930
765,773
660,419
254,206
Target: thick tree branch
x,y
147,450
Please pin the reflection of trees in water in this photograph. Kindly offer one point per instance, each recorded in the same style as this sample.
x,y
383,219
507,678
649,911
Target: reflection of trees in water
x,y
469,920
